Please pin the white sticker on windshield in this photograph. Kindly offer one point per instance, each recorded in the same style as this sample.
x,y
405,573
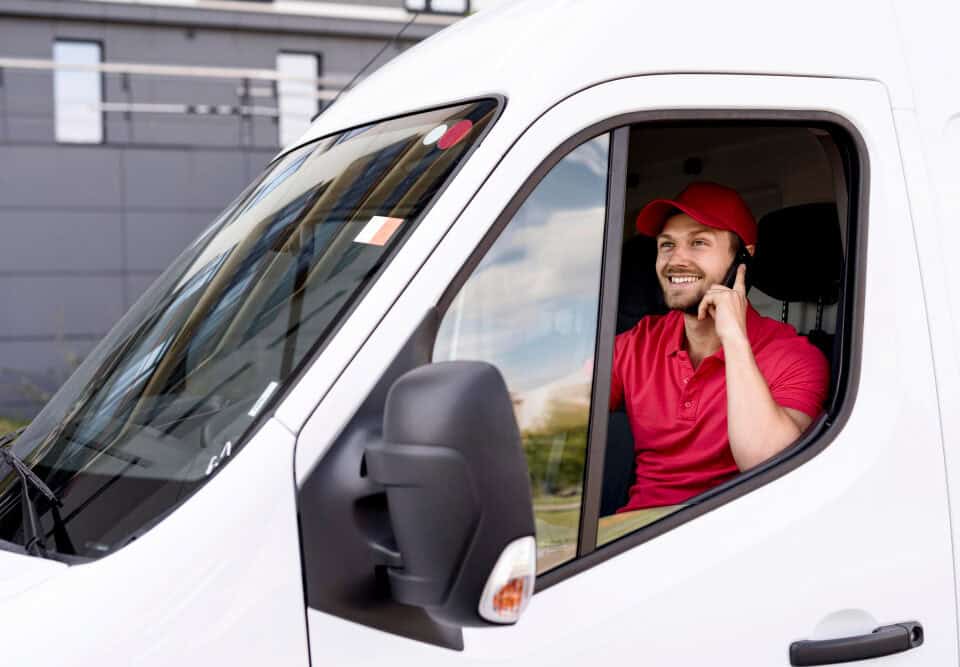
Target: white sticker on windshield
x,y
264,397
433,136
378,231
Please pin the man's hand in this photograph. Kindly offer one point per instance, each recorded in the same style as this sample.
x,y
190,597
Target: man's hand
x,y
757,426
728,308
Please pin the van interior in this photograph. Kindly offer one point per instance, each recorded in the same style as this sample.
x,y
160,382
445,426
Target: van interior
x,y
795,178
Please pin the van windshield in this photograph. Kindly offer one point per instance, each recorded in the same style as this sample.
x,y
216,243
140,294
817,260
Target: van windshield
x,y
167,397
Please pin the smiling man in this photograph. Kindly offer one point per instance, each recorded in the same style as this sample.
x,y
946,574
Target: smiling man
x,y
711,388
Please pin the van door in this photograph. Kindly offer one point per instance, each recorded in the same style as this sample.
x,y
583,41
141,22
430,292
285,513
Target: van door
x,y
849,535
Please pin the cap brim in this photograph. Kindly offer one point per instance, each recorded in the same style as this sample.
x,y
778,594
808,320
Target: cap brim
x,y
652,217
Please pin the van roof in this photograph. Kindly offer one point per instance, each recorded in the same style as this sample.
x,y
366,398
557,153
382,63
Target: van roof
x,y
536,52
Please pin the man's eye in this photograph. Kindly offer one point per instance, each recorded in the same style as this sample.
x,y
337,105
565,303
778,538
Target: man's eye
x,y
699,242
665,245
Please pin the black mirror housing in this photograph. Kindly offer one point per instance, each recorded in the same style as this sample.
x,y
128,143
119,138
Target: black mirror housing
x,y
457,485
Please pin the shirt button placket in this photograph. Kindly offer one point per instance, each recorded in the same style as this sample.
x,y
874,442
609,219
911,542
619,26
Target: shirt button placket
x,y
686,372
688,404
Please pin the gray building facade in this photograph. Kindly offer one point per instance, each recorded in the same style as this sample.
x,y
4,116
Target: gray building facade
x,y
109,171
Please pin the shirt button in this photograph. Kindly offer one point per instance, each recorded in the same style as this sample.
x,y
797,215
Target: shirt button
x,y
687,404
686,380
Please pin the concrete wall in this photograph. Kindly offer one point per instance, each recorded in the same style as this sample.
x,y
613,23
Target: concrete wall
x,y
85,228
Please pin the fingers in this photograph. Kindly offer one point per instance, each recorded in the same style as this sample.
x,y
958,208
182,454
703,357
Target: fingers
x,y
740,284
706,303
718,294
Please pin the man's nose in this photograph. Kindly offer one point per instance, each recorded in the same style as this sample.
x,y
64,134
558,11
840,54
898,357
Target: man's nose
x,y
679,257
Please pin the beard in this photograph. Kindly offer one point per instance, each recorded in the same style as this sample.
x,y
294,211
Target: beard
x,y
686,300
688,303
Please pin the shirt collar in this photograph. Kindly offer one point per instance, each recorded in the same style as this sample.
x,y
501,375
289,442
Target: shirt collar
x,y
675,335
676,329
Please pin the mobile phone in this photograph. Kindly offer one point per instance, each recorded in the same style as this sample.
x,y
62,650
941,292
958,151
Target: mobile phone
x,y
743,257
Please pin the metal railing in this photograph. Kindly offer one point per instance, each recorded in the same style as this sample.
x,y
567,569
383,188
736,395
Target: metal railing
x,y
256,93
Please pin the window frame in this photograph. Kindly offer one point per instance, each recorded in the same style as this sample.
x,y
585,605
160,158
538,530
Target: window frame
x,y
845,370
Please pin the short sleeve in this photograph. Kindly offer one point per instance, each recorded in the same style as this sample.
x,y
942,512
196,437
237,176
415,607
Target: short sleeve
x,y
802,378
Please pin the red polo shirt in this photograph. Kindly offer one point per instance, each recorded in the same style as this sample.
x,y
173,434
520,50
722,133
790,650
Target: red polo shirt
x,y
678,415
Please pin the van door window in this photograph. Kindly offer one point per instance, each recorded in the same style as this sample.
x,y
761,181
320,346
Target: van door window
x,y
668,443
530,308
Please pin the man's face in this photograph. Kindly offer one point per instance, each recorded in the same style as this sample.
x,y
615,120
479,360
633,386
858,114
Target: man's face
x,y
691,258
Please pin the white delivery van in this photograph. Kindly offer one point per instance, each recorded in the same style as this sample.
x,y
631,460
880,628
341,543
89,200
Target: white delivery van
x,y
331,431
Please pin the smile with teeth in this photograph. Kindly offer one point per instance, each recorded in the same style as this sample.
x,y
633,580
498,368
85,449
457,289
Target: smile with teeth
x,y
681,280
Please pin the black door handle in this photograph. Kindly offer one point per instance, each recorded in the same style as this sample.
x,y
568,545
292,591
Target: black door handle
x,y
882,641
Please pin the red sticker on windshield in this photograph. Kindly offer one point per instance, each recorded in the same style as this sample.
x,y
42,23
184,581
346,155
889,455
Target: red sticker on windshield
x,y
455,135
378,231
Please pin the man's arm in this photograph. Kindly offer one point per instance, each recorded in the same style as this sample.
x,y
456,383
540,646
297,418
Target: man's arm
x,y
757,426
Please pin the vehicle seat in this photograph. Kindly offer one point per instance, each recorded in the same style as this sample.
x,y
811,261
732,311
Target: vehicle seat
x,y
799,259
640,293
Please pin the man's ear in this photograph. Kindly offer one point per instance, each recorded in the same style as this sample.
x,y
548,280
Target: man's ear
x,y
751,249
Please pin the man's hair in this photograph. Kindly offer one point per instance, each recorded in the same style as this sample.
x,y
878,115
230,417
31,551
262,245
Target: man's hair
x,y
736,243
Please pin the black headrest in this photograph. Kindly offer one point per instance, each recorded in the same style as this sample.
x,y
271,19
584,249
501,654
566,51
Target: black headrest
x,y
640,292
799,255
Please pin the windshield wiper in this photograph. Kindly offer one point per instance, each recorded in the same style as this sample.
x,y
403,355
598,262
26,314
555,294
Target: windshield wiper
x,y
33,534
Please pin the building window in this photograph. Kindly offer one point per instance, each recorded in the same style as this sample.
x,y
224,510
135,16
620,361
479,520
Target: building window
x,y
78,91
296,93
438,6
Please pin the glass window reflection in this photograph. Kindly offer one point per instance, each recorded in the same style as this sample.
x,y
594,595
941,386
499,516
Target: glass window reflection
x,y
530,308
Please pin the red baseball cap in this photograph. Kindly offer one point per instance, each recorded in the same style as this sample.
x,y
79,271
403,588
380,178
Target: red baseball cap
x,y
709,204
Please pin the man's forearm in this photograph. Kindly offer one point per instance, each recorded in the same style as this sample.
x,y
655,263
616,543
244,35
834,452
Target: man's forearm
x,y
758,428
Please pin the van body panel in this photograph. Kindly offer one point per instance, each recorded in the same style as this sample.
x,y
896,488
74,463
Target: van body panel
x,y
935,243
930,143
216,582
856,538
19,572
536,53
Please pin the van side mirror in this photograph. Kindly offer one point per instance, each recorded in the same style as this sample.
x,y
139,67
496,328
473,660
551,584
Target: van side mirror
x,y
458,495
